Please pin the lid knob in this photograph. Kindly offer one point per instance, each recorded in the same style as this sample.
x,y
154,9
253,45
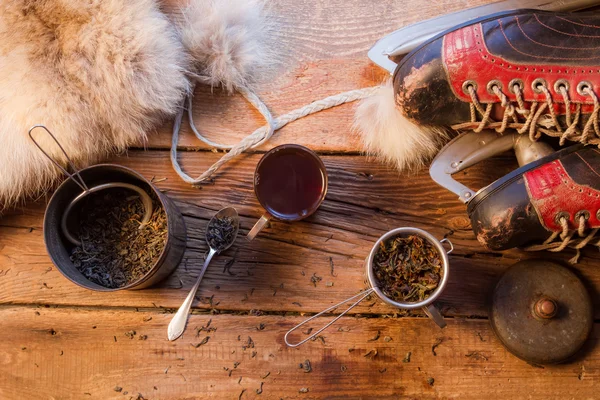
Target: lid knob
x,y
545,308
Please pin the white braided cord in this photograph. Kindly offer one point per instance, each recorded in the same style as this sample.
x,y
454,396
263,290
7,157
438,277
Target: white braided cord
x,y
260,135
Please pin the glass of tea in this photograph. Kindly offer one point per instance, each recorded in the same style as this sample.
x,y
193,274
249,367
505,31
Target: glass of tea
x,y
290,182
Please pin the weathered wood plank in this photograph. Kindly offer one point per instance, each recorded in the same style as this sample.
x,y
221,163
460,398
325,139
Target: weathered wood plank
x,y
322,48
364,200
79,354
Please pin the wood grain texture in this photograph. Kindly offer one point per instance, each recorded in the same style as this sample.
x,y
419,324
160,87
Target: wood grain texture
x,y
61,354
59,341
273,273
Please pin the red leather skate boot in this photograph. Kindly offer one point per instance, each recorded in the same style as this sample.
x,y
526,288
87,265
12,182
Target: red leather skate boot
x,y
532,71
551,202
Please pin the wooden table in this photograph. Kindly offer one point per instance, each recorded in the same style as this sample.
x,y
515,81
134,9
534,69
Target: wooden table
x,y
58,341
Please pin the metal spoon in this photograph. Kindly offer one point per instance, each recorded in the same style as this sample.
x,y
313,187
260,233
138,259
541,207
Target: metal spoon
x,y
177,324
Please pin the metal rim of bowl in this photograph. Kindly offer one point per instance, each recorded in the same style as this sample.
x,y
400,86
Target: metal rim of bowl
x,y
404,231
153,270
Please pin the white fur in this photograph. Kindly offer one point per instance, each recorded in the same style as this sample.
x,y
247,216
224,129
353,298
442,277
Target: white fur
x,y
98,73
228,41
392,137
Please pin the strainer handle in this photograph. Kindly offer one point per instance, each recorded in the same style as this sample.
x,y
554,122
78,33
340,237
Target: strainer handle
x,y
80,182
446,240
363,294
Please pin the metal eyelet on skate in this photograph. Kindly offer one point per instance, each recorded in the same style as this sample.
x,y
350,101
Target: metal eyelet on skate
x,y
582,213
582,86
560,215
466,84
491,84
561,82
512,83
535,85
598,214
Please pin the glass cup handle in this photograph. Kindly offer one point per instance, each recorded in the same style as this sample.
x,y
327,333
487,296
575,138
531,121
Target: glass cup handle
x,y
435,315
258,226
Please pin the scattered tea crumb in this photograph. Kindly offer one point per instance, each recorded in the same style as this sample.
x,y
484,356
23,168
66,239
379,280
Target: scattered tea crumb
x,y
438,341
476,356
235,364
130,334
260,390
344,368
430,381
267,374
260,327
381,371
202,342
332,267
373,339
296,303
118,389
320,337
387,339
329,284
146,319
406,358
125,392
115,249
115,338
303,273
253,354
23,348
249,344
308,331
167,369
228,265
315,279
581,374
62,352
143,337
303,390
306,366
480,337
240,381
241,394
371,354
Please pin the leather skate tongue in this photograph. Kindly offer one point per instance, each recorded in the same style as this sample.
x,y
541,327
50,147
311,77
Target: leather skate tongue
x,y
541,312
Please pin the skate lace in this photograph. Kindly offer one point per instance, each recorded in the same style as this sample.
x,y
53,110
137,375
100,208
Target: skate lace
x,y
560,240
540,118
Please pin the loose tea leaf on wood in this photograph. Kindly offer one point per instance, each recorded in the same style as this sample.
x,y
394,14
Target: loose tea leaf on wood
x,y
115,251
407,268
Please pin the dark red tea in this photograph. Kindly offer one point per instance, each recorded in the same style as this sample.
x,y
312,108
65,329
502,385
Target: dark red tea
x,y
290,182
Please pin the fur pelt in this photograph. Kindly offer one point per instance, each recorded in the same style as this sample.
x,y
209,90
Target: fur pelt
x,y
228,41
98,73
387,134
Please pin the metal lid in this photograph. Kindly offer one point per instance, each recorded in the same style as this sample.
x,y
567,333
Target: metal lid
x,y
541,311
